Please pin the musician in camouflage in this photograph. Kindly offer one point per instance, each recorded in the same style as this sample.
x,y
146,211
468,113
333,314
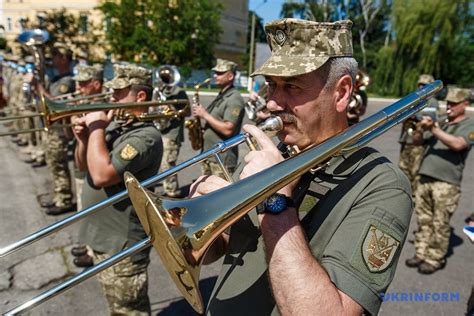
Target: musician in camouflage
x,y
440,174
343,253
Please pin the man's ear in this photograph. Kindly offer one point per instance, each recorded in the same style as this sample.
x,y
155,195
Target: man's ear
x,y
343,93
141,96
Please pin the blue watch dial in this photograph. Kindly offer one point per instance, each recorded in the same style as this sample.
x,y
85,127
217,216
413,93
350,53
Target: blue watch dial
x,y
276,203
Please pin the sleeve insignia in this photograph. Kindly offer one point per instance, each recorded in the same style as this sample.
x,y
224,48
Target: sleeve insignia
x,y
63,88
128,152
378,249
235,112
471,136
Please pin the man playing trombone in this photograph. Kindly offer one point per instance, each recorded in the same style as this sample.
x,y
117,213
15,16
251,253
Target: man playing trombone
x,y
328,243
89,81
107,148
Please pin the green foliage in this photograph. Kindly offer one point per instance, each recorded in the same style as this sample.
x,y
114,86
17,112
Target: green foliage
x,y
429,35
156,32
3,43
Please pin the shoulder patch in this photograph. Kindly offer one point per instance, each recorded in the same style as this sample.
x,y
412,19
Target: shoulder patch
x,y
471,136
235,112
378,249
128,152
63,88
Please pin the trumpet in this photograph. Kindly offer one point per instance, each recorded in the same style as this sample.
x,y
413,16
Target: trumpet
x,y
182,230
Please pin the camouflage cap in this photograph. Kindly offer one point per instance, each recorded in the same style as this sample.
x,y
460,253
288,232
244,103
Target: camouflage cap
x,y
127,75
457,95
86,72
223,65
425,79
300,46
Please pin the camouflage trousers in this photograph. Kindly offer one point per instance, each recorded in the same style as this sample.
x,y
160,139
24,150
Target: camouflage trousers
x,y
125,286
170,156
410,160
435,203
209,167
56,158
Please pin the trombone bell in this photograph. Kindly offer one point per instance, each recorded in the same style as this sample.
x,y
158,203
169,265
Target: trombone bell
x,y
158,216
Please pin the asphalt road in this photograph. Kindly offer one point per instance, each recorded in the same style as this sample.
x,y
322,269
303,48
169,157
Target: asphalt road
x,y
21,215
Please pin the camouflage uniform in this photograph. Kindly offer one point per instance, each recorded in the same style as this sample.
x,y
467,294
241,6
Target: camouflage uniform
x,y
411,155
438,190
56,148
345,236
173,137
227,106
135,147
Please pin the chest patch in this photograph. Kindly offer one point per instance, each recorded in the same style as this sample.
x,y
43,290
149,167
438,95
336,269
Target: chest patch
x,y
63,88
128,152
378,249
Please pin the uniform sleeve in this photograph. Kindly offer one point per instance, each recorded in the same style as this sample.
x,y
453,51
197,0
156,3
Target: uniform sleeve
x,y
467,132
362,255
136,152
233,110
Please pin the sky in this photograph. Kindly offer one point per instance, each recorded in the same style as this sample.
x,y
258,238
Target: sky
x,y
268,10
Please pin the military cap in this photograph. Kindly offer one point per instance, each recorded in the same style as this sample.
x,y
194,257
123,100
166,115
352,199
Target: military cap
x,y
82,54
61,48
299,46
13,58
457,95
127,75
425,79
223,65
87,72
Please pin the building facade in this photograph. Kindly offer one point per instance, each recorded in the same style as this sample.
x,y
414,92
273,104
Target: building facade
x,y
13,13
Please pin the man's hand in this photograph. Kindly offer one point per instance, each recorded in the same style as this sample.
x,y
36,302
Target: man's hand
x,y
427,123
80,130
207,184
200,111
99,117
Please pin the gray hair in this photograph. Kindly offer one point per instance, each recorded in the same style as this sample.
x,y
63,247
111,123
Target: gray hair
x,y
337,67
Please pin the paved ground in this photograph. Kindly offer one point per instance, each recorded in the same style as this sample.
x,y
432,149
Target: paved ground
x,y
22,274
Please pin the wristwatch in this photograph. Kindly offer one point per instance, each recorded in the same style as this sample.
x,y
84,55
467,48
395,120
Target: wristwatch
x,y
275,204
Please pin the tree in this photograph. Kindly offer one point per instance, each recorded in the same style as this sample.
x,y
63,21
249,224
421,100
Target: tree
x,y
64,26
182,32
427,34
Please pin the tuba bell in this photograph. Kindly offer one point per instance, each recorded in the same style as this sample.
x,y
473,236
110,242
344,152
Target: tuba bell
x,y
165,78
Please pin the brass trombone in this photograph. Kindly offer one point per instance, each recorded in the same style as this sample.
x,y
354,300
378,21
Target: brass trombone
x,y
182,230
51,111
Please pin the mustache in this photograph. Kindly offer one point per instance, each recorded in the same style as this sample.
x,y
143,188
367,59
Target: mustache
x,y
286,117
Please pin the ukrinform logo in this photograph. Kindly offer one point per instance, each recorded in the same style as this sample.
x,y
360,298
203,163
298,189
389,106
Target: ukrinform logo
x,y
420,297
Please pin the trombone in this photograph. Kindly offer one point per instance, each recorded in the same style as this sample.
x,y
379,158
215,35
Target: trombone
x,y
182,230
51,111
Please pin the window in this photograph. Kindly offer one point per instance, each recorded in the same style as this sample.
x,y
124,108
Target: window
x,y
83,23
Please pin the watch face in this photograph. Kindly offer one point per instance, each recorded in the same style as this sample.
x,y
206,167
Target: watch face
x,y
276,203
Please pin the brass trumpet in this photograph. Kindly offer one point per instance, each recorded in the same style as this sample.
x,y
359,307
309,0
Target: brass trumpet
x,y
182,230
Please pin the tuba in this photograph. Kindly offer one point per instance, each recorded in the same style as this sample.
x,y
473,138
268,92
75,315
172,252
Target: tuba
x,y
194,124
165,78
